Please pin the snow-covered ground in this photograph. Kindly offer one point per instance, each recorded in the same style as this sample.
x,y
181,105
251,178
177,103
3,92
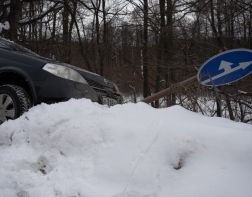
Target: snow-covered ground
x,y
81,149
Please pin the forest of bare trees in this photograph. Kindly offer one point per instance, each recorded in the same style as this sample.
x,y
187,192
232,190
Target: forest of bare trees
x,y
142,45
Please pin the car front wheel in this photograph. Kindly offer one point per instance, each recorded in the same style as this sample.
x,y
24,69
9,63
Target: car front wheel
x,y
14,101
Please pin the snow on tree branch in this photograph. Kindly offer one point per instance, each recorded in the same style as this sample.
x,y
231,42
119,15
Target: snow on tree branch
x,y
5,26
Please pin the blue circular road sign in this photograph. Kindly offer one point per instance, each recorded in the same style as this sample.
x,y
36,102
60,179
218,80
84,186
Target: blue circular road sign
x,y
226,67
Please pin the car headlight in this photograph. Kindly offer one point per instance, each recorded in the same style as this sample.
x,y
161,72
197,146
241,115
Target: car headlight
x,y
64,72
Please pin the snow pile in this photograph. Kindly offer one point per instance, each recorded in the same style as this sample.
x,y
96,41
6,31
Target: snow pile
x,y
81,149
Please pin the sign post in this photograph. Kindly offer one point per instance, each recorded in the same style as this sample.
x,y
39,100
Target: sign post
x,y
222,69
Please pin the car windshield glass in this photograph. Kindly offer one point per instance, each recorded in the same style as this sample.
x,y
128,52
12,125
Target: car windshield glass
x,y
13,46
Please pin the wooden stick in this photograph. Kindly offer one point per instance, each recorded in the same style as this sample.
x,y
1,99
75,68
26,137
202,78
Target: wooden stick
x,y
166,91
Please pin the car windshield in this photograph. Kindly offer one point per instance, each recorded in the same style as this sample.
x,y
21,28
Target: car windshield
x,y
4,43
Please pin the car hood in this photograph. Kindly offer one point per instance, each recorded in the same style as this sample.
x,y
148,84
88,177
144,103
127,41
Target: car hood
x,y
91,77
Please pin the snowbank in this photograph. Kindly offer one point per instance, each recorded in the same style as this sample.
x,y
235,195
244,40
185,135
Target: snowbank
x,y
82,149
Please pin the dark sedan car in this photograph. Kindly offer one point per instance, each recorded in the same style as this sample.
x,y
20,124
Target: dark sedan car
x,y
27,79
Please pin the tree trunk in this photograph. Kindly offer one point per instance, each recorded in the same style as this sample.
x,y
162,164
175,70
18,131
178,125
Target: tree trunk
x,y
146,90
218,107
13,19
160,50
65,16
103,52
230,110
170,70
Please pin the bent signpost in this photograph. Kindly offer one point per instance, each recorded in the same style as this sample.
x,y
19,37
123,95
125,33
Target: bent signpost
x,y
222,69
168,90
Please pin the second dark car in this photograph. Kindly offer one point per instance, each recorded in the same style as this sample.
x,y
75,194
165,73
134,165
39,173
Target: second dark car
x,y
27,79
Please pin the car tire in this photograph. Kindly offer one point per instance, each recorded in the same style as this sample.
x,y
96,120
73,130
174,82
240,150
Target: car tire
x,y
14,101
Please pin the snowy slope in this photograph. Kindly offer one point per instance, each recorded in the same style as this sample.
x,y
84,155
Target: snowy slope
x,y
82,149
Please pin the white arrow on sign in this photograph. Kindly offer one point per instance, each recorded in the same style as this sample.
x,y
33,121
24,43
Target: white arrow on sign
x,y
226,66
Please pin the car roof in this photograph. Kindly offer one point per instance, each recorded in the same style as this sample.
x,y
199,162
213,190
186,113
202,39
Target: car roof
x,y
10,45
